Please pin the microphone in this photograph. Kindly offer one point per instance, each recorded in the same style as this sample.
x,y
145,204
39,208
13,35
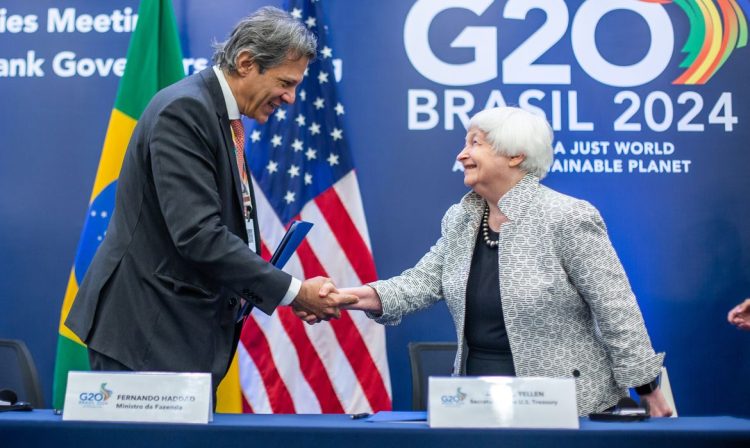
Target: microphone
x,y
627,410
628,406
8,396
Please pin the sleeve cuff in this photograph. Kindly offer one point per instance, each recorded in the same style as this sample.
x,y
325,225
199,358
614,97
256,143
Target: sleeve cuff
x,y
388,314
292,292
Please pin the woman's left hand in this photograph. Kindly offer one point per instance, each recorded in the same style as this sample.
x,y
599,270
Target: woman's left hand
x,y
657,403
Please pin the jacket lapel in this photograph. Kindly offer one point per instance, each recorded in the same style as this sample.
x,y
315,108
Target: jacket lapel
x,y
217,97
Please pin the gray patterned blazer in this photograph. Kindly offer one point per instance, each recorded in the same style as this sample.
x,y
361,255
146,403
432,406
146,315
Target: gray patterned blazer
x,y
569,310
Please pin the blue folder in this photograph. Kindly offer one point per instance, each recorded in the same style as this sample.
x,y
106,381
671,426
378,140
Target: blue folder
x,y
290,242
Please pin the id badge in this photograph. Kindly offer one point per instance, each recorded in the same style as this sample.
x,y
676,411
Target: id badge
x,y
249,222
250,227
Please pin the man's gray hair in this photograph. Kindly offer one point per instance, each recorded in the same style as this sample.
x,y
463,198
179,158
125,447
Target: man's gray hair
x,y
270,35
513,131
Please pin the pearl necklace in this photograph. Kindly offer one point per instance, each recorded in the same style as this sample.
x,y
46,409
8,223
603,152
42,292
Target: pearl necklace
x,y
492,244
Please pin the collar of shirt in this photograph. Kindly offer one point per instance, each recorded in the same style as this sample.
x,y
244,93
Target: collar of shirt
x,y
233,112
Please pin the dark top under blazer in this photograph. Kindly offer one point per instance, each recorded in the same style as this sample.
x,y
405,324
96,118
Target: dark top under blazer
x,y
163,290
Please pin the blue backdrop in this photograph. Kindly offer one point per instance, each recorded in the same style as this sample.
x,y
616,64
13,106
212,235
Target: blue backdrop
x,y
658,145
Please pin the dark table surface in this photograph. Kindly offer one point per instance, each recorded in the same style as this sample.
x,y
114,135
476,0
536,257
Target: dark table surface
x,y
44,428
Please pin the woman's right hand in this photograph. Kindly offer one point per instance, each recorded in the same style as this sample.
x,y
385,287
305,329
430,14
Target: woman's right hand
x,y
368,301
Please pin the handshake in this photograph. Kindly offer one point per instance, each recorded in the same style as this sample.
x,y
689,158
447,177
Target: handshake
x,y
319,299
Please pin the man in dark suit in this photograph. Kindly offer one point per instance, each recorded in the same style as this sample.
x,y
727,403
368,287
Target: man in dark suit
x,y
168,287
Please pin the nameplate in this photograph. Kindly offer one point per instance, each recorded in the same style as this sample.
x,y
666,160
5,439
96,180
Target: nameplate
x,y
502,402
139,397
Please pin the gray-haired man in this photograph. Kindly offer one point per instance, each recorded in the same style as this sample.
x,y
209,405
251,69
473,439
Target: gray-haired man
x,y
179,268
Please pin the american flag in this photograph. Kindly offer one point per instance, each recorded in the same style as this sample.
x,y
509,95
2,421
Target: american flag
x,y
301,168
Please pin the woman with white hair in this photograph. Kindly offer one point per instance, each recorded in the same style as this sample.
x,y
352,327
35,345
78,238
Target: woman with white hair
x,y
529,275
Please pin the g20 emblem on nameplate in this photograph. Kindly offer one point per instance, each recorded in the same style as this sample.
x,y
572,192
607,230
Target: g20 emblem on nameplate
x,y
139,397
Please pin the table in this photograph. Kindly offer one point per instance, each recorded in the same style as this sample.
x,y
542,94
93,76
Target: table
x,y
42,428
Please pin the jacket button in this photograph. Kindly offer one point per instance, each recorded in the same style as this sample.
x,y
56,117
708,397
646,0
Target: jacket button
x,y
232,302
576,373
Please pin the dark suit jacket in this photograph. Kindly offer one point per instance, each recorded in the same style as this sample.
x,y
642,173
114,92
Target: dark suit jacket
x,y
163,290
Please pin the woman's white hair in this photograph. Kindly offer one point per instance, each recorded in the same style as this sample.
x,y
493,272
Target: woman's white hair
x,y
513,131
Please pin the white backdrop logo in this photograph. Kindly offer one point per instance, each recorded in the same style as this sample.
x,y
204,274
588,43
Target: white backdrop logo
x,y
714,33
519,66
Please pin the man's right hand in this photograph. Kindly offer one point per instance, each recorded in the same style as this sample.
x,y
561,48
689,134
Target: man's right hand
x,y
323,307
368,301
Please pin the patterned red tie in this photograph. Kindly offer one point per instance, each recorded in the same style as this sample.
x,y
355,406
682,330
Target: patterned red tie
x,y
238,137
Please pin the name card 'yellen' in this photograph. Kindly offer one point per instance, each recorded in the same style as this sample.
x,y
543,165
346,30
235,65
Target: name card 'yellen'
x,y
139,397
502,402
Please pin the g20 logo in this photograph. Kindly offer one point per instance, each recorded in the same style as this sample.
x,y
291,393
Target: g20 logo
x,y
91,397
714,34
453,400
95,398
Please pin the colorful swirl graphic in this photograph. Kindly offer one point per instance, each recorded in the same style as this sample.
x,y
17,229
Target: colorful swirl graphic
x,y
106,393
461,396
714,34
